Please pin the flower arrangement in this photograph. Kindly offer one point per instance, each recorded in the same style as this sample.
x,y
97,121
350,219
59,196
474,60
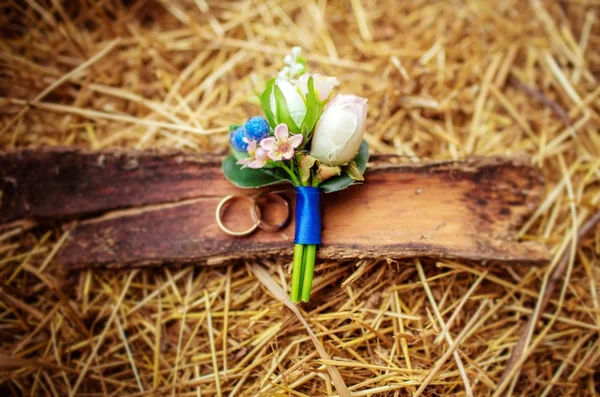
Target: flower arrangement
x,y
310,138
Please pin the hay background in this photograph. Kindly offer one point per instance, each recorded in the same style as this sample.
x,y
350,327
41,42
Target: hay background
x,y
444,80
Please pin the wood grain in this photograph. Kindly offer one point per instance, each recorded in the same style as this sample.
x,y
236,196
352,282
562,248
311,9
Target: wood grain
x,y
147,208
61,183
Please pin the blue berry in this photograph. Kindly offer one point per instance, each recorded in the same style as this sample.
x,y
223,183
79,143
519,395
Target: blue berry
x,y
257,128
236,138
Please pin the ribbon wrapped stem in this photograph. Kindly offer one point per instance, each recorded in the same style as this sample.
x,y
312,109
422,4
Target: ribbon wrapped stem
x,y
308,236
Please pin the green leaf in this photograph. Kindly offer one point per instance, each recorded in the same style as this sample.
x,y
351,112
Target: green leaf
x,y
305,139
314,108
282,112
251,178
265,103
343,181
238,154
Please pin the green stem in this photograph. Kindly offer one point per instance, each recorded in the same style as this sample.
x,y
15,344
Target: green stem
x,y
302,269
297,273
291,174
310,253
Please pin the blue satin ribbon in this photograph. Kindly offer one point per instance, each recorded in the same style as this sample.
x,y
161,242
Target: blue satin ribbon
x,y
308,215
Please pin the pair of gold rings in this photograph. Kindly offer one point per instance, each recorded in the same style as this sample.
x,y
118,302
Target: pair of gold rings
x,y
255,212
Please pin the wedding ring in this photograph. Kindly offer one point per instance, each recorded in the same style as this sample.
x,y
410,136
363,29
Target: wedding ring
x,y
256,212
253,212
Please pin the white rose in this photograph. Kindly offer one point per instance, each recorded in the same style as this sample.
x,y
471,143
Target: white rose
x,y
323,85
340,129
294,101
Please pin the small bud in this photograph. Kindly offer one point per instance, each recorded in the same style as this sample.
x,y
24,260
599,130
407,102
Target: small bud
x,y
325,172
339,132
257,128
237,139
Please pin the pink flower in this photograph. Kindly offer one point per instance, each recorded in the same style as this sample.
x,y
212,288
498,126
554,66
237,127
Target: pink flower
x,y
258,156
282,146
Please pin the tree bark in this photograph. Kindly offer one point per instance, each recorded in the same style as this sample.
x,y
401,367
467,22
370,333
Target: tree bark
x,y
148,208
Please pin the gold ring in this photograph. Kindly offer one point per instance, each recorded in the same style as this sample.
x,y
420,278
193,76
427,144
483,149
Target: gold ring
x,y
256,212
252,213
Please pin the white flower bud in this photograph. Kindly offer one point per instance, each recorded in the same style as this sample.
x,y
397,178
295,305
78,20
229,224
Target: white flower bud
x,y
294,101
323,85
340,129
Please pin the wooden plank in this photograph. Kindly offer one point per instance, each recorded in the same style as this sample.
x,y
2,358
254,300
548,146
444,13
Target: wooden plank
x,y
159,208
61,183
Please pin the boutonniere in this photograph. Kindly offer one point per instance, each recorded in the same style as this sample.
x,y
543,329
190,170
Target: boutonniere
x,y
309,137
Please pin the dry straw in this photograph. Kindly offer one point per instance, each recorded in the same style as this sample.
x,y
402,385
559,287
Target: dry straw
x,y
444,80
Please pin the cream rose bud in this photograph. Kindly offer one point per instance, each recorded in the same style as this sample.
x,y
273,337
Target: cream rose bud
x,y
323,85
293,99
340,129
